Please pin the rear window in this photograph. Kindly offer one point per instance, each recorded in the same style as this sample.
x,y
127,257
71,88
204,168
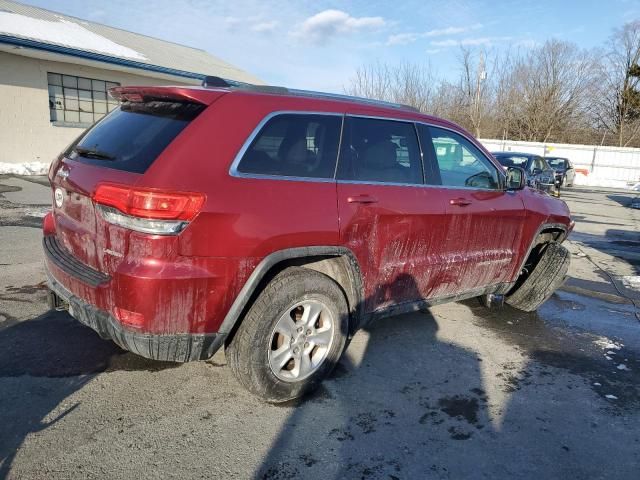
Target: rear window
x,y
132,136
557,162
512,161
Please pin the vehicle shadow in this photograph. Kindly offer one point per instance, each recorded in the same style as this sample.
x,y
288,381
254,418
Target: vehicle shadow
x,y
423,411
43,361
387,412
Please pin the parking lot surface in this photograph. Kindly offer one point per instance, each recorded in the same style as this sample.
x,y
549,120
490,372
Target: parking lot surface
x,y
458,391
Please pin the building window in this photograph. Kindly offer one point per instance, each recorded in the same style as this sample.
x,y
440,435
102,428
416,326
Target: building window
x,y
78,100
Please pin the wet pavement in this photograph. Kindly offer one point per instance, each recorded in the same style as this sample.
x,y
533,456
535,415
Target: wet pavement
x,y
456,392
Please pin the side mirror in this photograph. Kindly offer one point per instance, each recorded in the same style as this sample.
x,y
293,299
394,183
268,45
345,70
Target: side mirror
x,y
537,171
516,179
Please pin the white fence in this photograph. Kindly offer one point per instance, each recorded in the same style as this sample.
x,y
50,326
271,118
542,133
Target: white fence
x,y
596,166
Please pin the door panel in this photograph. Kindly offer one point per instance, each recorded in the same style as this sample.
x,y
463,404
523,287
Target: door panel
x,y
392,223
482,238
397,240
483,222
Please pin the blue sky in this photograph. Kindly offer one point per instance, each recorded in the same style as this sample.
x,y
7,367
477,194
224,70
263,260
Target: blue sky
x,y
318,45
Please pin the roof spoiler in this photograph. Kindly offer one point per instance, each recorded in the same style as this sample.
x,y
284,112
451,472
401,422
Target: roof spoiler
x,y
167,94
211,81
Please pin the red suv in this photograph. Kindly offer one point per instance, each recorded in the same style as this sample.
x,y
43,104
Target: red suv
x,y
277,222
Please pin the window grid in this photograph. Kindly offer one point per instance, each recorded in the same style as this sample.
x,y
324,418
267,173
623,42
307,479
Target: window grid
x,y
78,100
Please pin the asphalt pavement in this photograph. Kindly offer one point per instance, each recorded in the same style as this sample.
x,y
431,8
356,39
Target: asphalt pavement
x,y
458,391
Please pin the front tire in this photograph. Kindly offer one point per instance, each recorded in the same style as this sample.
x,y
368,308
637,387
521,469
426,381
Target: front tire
x,y
292,336
547,276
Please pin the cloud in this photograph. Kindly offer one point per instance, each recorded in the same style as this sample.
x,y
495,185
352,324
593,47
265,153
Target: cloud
x,y
403,38
469,41
255,23
451,30
330,23
433,51
527,43
265,27
406,38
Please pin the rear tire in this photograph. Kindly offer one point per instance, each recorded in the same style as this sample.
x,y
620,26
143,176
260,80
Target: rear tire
x,y
280,351
545,278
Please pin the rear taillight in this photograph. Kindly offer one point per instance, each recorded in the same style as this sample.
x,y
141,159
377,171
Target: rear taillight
x,y
147,210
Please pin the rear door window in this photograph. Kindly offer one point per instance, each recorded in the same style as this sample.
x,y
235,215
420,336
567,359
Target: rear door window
x,y
461,164
295,145
376,150
513,160
132,136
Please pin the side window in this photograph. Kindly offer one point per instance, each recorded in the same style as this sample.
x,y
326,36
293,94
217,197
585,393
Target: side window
x,y
295,145
380,151
460,162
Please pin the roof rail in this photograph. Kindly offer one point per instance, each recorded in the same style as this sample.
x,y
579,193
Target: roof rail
x,y
350,98
219,82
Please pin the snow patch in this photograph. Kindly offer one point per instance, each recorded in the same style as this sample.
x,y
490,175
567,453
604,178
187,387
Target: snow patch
x,y
63,32
631,281
606,344
611,397
38,213
28,168
622,366
594,180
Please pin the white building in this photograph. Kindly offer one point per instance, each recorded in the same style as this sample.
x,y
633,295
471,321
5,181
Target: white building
x,y
55,71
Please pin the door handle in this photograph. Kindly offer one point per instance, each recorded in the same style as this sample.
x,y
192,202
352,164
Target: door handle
x,y
362,199
461,202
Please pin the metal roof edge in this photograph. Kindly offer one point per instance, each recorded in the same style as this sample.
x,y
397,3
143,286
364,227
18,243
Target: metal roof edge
x,y
74,52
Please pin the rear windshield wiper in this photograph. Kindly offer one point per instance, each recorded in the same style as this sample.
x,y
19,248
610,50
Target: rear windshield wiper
x,y
93,153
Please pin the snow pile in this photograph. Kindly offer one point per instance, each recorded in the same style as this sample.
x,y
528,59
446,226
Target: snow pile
x,y
63,32
593,180
31,168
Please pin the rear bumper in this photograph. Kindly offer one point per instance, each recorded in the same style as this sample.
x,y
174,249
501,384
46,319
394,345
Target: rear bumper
x,y
166,347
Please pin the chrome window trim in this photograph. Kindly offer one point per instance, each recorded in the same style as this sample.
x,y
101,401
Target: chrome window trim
x,y
420,185
233,169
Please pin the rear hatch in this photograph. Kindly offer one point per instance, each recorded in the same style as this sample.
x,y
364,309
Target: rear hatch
x,y
116,150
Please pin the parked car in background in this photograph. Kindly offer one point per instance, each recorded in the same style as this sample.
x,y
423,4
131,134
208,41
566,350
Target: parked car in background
x,y
539,173
565,173
305,217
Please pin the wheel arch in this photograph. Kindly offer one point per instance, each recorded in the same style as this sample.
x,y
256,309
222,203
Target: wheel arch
x,y
546,233
338,263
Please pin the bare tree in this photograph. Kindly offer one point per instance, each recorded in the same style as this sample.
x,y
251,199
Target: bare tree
x,y
549,86
506,98
475,87
617,99
406,83
553,92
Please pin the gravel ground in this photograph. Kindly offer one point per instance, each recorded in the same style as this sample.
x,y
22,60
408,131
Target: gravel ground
x,y
455,392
